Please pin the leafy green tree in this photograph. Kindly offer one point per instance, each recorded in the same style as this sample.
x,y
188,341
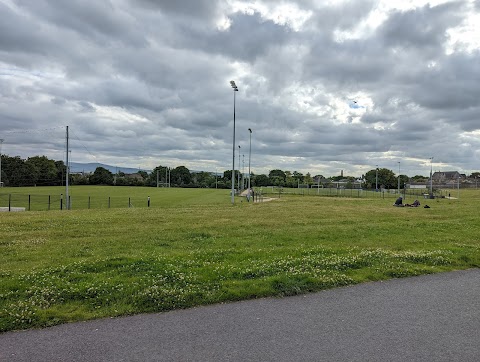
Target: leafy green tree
x,y
61,172
289,180
386,178
79,179
101,176
260,180
162,176
16,172
203,179
298,176
44,170
144,174
277,173
180,176
277,181
308,179
419,178
227,175
404,179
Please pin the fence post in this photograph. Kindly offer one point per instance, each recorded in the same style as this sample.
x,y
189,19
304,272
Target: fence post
x,y
148,201
129,202
9,202
61,201
49,202
29,200
89,202
109,202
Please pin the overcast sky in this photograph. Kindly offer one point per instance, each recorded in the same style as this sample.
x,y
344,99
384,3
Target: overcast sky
x,y
325,86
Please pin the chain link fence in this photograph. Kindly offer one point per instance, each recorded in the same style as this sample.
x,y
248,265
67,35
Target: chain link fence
x,y
21,202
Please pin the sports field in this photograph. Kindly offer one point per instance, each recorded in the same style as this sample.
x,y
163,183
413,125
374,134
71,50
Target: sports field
x,y
193,247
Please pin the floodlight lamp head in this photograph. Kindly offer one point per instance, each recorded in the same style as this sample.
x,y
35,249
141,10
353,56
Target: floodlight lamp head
x,y
250,130
234,86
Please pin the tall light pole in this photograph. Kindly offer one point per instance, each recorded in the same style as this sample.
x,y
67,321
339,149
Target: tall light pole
x,y
235,89
249,158
68,173
431,176
239,188
376,179
399,177
1,142
243,171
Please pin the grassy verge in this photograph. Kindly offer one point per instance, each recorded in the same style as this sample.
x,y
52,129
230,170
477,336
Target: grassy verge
x,y
63,266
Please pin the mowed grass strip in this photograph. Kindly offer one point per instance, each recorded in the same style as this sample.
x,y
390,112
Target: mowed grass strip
x,y
104,197
64,266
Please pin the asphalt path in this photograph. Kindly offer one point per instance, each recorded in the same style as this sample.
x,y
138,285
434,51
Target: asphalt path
x,y
426,318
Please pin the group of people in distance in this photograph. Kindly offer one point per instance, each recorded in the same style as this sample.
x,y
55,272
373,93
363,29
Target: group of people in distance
x,y
399,203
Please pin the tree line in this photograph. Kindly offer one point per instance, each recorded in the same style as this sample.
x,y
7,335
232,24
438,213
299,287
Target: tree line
x,y
42,171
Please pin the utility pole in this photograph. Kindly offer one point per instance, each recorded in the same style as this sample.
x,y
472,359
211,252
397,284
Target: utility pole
x,y
235,89
68,175
243,171
157,177
249,159
431,177
239,188
399,177
1,142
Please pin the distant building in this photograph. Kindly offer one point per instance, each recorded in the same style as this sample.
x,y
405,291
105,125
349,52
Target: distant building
x,y
447,177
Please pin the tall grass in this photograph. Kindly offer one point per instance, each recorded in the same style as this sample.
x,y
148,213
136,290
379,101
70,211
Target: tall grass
x,y
62,266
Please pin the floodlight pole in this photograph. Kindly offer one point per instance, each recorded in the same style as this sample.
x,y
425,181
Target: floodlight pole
x,y
249,158
238,169
67,200
235,89
1,142
376,179
243,171
431,176
399,177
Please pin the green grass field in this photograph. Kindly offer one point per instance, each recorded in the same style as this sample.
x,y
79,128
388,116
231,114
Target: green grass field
x,y
192,247
94,197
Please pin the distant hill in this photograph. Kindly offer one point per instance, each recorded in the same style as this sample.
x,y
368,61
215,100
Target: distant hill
x,y
91,167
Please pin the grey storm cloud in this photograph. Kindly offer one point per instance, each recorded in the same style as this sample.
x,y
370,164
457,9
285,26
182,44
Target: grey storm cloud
x,y
323,85
200,8
423,27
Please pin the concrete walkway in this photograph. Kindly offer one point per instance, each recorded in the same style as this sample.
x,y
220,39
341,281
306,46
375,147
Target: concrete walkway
x,y
427,318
